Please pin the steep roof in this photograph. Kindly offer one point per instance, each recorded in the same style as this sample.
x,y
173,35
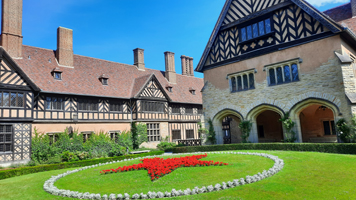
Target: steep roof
x,y
247,10
83,79
343,15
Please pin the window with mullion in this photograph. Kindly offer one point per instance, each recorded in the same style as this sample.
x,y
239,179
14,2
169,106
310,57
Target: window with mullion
x,y
11,99
153,132
6,138
283,74
87,105
240,82
54,103
255,30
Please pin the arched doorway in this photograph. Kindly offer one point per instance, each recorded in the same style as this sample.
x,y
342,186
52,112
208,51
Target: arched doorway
x,y
231,130
317,124
226,128
269,128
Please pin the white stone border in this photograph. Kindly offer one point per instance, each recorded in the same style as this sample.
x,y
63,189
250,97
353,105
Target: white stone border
x,y
278,166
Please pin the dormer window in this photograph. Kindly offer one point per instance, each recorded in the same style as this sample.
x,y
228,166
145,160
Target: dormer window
x,y
104,79
169,88
192,90
57,73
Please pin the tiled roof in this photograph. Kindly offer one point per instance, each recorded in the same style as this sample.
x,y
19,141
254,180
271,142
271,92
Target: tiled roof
x,y
83,78
343,15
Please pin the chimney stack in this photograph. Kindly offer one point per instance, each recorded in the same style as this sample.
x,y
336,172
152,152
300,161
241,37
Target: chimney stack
x,y
139,58
11,27
187,66
64,53
170,67
353,8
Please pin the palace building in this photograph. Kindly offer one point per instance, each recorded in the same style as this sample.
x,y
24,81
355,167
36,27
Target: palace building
x,y
269,57
52,90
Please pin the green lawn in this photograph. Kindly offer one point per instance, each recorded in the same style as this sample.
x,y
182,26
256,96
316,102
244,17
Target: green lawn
x,y
305,176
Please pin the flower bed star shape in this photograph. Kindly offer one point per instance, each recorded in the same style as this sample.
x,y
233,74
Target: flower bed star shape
x,y
158,167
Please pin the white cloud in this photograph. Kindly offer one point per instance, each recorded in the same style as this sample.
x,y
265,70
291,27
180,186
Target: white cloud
x,y
319,3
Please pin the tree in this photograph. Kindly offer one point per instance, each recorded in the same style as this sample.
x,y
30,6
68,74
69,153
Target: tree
x,y
141,133
211,132
135,142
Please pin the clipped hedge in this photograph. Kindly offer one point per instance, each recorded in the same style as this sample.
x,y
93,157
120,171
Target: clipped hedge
x,y
41,168
339,148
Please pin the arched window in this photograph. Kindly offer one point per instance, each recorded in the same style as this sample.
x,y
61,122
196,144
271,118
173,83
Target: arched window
x,y
239,83
233,84
295,72
252,81
286,74
279,75
272,77
245,82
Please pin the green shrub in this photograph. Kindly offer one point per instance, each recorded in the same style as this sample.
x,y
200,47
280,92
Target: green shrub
x,y
245,127
40,168
41,149
134,136
211,136
124,139
288,124
323,147
347,132
141,133
163,145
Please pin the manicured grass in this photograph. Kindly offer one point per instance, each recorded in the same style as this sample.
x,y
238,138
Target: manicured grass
x,y
305,176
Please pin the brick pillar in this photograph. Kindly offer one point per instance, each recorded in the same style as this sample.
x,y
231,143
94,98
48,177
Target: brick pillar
x,y
64,53
184,65
170,73
139,58
191,68
11,27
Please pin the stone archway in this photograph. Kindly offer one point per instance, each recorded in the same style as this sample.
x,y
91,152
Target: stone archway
x,y
315,120
226,126
269,128
265,109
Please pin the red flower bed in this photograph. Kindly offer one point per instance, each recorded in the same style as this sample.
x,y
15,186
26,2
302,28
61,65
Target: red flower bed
x,y
158,167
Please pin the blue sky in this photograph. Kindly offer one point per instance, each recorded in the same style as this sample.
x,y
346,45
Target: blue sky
x,y
111,29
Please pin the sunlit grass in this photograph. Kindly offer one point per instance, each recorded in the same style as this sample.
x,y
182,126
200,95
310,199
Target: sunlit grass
x,y
305,176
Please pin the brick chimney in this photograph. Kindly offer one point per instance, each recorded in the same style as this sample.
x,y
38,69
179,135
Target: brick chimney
x,y
187,66
353,7
64,53
11,27
170,73
139,58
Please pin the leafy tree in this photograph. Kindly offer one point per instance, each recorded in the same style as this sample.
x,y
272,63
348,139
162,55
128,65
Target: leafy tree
x,y
245,127
141,133
125,139
134,136
347,132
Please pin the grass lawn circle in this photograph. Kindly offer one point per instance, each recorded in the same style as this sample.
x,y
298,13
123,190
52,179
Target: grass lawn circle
x,y
52,189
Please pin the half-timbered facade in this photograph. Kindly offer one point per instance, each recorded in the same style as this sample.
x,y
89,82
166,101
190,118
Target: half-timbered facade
x,y
51,90
269,57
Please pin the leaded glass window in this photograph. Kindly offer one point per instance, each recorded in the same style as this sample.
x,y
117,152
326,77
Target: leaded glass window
x,y
268,25
11,99
233,84
87,105
189,134
243,34
176,135
153,132
295,72
152,106
279,75
252,81
239,83
272,77
6,138
286,74
245,82
255,30
116,106
249,32
54,103
261,27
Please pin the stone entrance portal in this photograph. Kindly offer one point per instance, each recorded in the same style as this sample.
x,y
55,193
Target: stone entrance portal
x,y
269,128
317,124
231,130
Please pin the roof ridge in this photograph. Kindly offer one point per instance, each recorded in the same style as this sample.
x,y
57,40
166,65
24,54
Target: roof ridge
x,y
38,47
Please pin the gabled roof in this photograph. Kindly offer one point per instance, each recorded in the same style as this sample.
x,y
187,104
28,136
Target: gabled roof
x,y
7,57
322,18
83,78
142,82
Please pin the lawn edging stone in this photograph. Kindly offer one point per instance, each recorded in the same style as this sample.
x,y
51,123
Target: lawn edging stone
x,y
278,166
